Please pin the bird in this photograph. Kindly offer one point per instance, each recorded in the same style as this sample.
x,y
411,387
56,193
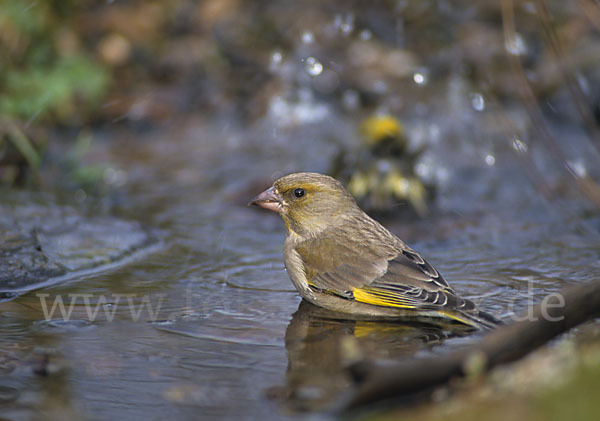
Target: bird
x,y
341,259
381,174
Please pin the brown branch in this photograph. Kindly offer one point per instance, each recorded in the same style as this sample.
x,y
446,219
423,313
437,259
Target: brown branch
x,y
506,344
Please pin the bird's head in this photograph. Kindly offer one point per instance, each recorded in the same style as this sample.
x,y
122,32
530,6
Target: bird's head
x,y
307,202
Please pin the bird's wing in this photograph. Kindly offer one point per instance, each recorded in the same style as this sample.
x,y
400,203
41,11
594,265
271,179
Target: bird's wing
x,y
403,279
411,282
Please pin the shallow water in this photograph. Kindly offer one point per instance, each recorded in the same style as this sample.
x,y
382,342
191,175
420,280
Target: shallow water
x,y
208,323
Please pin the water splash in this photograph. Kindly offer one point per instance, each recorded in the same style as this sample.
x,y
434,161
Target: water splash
x,y
313,66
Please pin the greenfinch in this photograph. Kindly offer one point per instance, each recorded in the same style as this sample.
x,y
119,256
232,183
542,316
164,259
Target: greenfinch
x,y
381,174
341,259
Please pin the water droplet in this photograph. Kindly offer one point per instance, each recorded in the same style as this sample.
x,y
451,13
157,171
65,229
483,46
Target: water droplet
x,y
477,102
346,28
519,145
516,45
365,35
313,66
308,37
490,160
420,78
276,59
344,23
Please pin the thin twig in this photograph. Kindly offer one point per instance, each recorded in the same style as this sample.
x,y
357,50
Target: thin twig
x,y
591,11
566,73
587,186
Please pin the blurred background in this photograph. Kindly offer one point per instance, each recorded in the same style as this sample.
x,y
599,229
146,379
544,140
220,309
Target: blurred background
x,y
133,133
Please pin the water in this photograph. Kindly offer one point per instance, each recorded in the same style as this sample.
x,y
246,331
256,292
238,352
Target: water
x,y
208,323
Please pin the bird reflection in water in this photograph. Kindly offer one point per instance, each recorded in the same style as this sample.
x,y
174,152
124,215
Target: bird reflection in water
x,y
322,344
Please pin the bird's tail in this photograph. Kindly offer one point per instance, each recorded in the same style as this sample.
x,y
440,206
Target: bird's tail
x,y
477,319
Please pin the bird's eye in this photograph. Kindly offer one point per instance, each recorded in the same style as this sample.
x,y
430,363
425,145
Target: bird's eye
x,y
299,192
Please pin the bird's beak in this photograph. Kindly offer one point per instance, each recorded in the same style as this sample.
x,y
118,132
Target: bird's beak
x,y
268,199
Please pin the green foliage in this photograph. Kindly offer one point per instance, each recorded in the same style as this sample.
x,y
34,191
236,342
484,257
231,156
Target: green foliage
x,y
576,399
41,74
56,88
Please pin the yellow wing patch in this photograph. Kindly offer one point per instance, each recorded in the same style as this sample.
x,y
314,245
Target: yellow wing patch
x,y
380,298
389,299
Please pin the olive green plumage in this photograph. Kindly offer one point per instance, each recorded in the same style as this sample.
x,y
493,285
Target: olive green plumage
x,y
341,259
